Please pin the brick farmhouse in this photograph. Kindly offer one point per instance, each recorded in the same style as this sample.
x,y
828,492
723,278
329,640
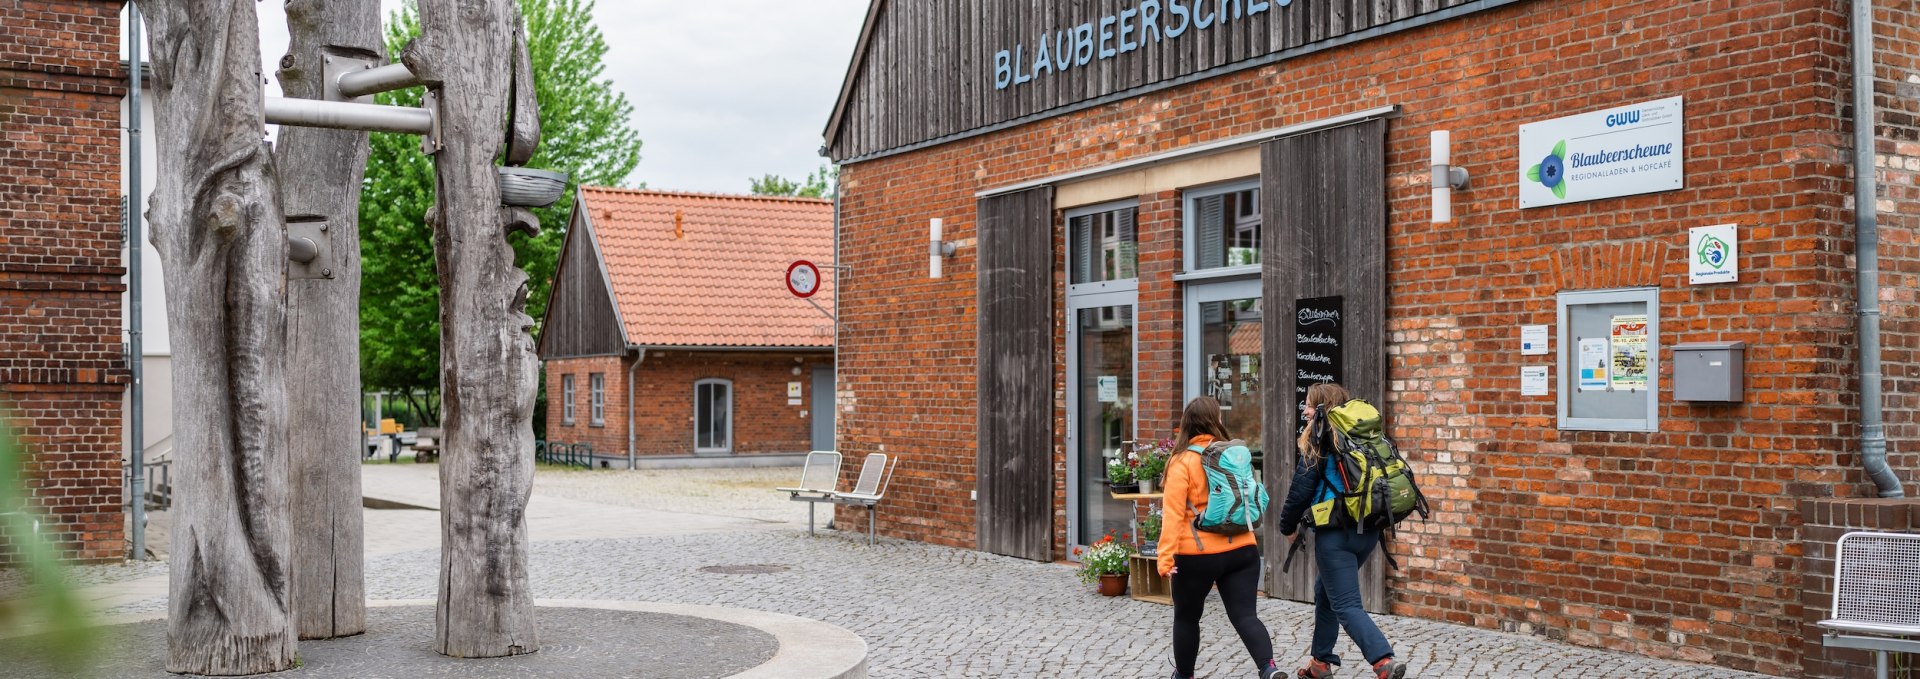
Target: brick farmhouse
x,y
1148,198
671,333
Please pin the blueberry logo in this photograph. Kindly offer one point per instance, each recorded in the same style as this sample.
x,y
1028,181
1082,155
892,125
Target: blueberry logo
x,y
1713,252
1552,171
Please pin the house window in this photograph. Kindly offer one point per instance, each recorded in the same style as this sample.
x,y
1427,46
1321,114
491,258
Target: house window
x,y
599,399
713,416
1105,246
1223,227
566,400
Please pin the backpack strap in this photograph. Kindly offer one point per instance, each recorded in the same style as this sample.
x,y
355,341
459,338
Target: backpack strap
x,y
1392,564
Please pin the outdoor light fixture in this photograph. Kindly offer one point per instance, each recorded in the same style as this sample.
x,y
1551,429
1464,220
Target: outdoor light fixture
x,y
1446,177
936,248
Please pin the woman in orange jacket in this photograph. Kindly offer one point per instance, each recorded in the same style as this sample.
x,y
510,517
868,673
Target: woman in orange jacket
x,y
1198,560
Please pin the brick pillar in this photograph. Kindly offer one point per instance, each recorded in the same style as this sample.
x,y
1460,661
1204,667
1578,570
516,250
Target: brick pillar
x,y
1823,522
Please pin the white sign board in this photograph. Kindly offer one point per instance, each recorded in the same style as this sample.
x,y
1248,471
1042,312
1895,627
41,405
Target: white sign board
x,y
793,390
1713,254
1533,340
1533,381
1603,154
1109,388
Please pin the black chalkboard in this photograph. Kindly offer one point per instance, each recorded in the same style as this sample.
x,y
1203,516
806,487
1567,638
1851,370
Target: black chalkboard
x,y
1317,323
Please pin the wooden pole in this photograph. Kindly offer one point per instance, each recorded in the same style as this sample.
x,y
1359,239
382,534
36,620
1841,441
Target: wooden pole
x,y
325,168
217,226
488,367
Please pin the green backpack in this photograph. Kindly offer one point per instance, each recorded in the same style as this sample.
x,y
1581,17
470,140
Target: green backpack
x,y
1370,487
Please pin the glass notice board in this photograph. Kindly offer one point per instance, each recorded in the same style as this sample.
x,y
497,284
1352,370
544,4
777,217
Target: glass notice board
x,y
1609,360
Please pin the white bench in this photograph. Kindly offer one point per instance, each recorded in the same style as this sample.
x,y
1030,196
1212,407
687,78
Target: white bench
x,y
818,481
875,476
1876,595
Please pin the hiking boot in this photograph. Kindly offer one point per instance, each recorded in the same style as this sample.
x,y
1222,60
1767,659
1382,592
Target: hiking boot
x,y
1388,668
1315,670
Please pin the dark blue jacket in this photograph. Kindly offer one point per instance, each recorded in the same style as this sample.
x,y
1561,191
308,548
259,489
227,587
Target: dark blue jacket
x,y
1307,477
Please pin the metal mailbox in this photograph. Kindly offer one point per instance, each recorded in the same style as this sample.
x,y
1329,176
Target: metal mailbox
x,y
1709,371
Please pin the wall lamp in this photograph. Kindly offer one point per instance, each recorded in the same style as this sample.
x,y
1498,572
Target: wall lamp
x,y
1446,177
936,249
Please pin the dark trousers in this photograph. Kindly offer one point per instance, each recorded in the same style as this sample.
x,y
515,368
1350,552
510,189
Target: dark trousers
x,y
1237,573
1336,595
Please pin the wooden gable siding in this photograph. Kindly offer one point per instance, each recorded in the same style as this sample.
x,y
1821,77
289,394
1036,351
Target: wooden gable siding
x,y
925,71
581,319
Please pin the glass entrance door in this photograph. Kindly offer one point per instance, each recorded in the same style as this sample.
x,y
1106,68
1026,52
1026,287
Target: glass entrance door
x,y
1101,415
1224,326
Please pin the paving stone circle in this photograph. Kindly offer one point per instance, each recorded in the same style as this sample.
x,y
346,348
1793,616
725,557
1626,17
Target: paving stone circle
x,y
748,569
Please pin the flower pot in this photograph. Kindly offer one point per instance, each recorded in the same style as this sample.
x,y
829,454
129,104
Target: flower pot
x,y
1113,585
1125,488
1146,487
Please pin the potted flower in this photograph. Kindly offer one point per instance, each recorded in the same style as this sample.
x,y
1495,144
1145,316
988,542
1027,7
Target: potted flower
x,y
1106,563
1152,464
1150,531
1121,475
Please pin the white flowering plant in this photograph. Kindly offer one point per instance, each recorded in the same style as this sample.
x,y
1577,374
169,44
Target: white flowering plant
x,y
1106,557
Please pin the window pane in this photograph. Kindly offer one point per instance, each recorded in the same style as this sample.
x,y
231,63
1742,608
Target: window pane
x,y
1105,417
720,416
1226,229
1105,246
1230,352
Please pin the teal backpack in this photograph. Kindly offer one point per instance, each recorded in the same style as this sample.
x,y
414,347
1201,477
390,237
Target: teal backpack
x,y
1235,498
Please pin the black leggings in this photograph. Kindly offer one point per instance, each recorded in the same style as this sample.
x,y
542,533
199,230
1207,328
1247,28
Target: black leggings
x,y
1238,574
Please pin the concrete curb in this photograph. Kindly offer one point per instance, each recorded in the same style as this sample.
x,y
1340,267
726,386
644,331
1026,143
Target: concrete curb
x,y
809,649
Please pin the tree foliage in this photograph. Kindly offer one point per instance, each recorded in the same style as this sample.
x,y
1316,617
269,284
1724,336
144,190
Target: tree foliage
x,y
823,183
584,131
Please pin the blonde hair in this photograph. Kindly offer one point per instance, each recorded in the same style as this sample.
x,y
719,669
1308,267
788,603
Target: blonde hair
x,y
1321,397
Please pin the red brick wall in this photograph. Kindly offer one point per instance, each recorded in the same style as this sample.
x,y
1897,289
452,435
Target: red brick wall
x,y
62,372
1824,521
1673,544
663,411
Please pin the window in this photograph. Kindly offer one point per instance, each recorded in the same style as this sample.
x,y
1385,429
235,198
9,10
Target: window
x,y
713,416
599,399
566,400
1104,245
1223,227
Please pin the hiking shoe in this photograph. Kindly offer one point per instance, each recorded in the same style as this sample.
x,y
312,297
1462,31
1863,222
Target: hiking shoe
x,y
1271,671
1315,670
1388,668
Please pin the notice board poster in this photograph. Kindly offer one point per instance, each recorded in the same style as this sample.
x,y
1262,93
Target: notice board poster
x,y
1629,353
1316,349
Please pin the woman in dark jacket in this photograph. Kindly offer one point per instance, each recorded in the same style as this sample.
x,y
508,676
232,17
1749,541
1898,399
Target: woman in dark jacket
x,y
1339,552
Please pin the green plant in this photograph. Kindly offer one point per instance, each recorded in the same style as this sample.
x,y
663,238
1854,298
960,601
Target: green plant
x,y
1150,526
1106,557
1121,472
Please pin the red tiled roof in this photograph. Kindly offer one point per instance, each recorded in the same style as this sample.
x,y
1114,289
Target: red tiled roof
x,y
722,280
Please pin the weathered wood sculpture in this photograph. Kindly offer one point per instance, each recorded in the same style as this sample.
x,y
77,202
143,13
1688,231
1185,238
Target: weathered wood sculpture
x,y
217,226
323,168
466,53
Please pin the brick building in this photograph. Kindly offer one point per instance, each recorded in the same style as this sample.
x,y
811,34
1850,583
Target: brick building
x,y
62,368
670,333
1148,198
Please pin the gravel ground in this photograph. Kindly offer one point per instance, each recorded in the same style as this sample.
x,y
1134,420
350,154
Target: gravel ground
x,y
13,579
746,493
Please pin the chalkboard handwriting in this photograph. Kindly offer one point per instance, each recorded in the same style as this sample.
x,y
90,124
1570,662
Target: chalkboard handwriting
x,y
1314,316
1313,357
1305,376
1316,338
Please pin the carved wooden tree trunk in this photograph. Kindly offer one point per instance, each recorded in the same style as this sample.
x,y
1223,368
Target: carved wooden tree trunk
x,y
324,170
217,226
488,367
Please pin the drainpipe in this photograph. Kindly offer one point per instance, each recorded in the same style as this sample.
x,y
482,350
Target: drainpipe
x,y
639,354
1866,226
136,425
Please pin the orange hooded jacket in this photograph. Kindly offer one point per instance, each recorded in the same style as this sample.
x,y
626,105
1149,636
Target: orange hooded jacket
x,y
1186,498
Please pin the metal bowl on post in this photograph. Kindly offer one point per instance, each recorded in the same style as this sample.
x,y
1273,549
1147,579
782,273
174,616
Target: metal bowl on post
x,y
527,187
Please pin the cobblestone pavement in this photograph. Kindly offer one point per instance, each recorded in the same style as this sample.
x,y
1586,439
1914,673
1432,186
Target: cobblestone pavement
x,y
929,611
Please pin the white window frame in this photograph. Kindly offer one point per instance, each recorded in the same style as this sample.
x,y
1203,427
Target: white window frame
x,y
1568,360
598,386
728,448
567,395
1189,218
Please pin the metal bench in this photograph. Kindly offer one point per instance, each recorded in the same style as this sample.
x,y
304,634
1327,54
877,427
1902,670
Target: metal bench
x,y
1876,595
819,478
426,448
875,476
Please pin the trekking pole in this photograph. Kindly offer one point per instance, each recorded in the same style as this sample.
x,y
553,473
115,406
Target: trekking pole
x,y
1298,540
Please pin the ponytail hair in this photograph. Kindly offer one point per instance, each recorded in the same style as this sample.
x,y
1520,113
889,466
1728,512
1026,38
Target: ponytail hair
x,y
1322,397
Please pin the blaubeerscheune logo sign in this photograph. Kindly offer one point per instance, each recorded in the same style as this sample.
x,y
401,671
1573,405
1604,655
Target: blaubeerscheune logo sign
x,y
1603,154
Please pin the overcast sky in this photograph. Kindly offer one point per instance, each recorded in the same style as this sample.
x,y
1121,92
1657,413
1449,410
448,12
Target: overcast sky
x,y
721,90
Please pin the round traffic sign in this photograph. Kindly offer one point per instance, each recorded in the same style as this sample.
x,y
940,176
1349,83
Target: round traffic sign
x,y
803,279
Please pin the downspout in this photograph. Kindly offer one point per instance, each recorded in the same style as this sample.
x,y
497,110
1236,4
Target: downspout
x,y
639,354
1866,227
838,271
136,425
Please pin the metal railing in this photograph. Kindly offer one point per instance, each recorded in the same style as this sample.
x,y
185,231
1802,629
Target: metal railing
x,y
564,454
158,492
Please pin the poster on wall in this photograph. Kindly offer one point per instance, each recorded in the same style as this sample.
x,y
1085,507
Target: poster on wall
x,y
1608,153
1629,353
1713,254
1593,364
1316,347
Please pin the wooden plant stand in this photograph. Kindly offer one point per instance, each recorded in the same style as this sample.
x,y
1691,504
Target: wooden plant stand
x,y
1144,581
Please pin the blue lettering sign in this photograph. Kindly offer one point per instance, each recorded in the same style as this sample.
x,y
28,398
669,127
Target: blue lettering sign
x,y
1175,8
1618,119
1002,73
1126,29
1106,36
1142,24
1150,19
